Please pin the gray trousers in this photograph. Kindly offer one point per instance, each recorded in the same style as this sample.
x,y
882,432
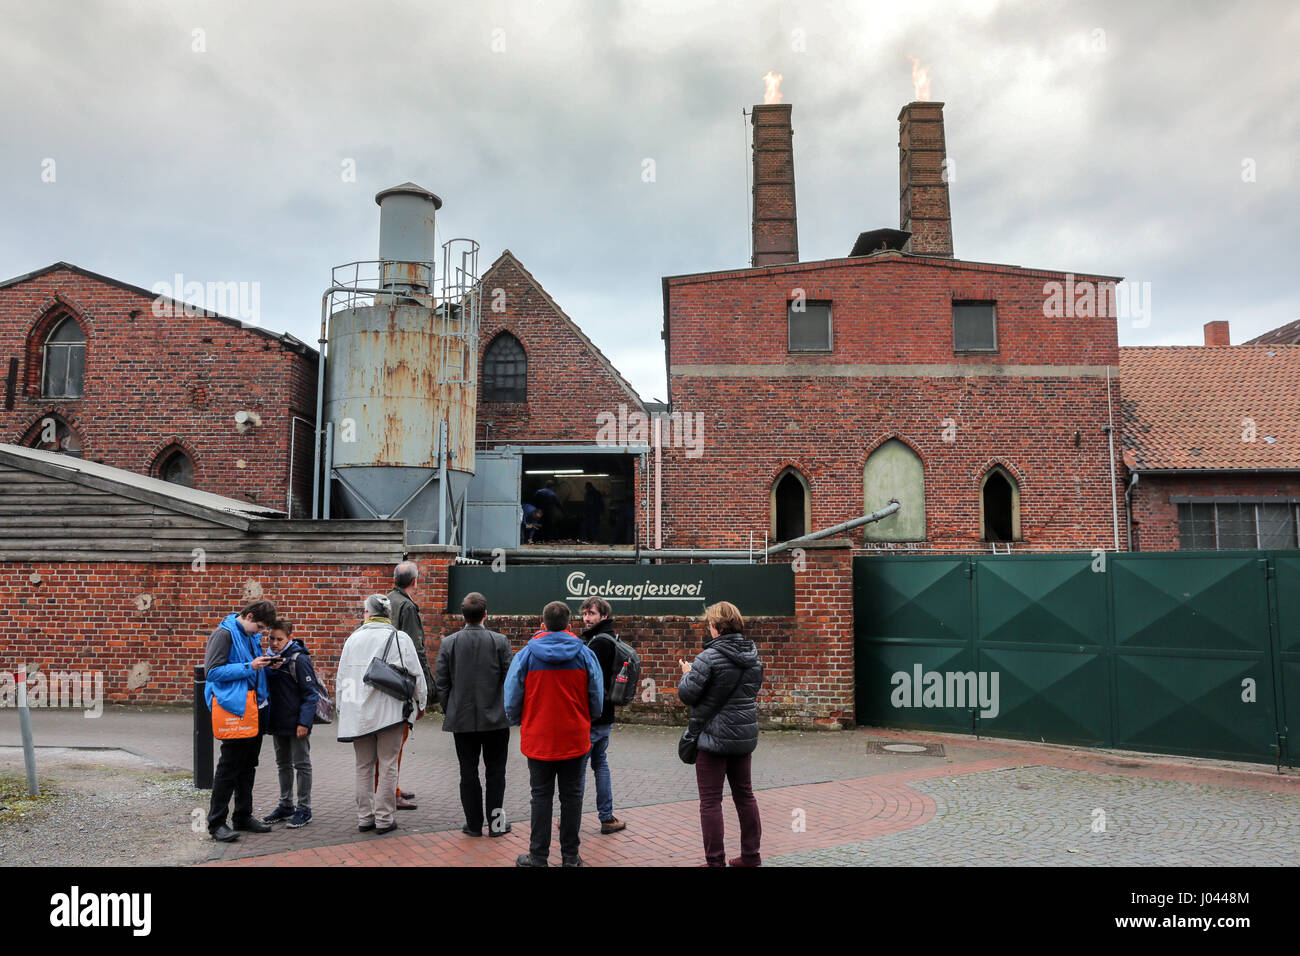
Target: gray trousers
x,y
377,751
293,754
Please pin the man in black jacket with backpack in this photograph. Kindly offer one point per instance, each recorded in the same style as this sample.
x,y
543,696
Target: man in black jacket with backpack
x,y
599,636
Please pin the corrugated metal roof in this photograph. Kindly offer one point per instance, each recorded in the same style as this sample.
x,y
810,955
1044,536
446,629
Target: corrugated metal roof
x,y
131,480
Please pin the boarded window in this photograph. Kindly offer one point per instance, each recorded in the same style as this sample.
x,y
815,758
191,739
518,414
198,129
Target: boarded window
x,y
809,326
895,471
65,361
974,327
505,370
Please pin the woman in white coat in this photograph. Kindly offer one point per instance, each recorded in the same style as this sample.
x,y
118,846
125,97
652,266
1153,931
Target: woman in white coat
x,y
374,721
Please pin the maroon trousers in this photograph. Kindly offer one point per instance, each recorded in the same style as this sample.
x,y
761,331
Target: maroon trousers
x,y
710,769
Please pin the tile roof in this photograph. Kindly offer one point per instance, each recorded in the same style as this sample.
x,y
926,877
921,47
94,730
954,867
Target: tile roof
x,y
1185,407
1288,334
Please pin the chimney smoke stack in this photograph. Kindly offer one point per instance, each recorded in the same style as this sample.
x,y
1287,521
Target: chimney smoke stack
x,y
922,181
775,227
1216,333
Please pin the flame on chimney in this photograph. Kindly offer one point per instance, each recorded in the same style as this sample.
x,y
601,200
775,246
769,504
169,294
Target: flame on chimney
x,y
772,87
920,80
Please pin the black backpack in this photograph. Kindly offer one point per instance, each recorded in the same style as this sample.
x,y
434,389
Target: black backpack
x,y
625,676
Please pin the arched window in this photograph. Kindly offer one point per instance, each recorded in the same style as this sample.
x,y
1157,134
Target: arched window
x,y
175,466
53,434
790,506
64,362
999,506
894,470
505,370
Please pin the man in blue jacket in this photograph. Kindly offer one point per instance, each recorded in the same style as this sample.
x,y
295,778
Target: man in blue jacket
x,y
234,665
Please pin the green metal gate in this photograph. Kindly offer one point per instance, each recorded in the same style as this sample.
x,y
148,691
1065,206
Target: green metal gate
x,y
1187,652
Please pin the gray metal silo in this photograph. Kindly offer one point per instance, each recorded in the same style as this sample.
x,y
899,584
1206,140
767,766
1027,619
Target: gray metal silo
x,y
397,390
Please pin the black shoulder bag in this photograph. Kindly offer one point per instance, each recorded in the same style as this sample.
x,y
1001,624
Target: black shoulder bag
x,y
392,679
688,748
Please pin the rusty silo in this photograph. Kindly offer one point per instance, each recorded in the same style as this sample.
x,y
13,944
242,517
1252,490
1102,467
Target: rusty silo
x,y
397,389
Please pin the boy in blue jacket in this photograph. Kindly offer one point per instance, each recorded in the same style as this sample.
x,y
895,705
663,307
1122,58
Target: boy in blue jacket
x,y
234,664
292,682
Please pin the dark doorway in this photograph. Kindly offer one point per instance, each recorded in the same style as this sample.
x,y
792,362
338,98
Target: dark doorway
x,y
580,499
791,504
998,525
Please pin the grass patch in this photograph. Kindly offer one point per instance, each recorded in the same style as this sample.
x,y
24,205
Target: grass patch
x,y
15,804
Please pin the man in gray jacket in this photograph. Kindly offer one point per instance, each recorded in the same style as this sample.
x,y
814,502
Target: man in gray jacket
x,y
469,683
406,618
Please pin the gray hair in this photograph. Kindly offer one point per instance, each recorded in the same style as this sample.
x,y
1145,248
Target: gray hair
x,y
377,605
405,574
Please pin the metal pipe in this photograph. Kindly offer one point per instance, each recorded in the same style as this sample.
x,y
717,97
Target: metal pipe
x,y
442,482
288,494
320,412
1110,441
579,553
329,465
25,729
659,484
1128,507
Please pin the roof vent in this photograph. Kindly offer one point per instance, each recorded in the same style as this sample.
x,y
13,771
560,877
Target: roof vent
x,y
880,240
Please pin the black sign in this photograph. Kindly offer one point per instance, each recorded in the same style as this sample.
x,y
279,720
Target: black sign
x,y
758,590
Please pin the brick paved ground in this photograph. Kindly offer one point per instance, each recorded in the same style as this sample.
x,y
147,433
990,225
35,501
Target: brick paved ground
x,y
824,801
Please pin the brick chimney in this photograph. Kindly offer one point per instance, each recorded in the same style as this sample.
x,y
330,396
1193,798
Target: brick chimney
x,y
1216,333
776,231
923,189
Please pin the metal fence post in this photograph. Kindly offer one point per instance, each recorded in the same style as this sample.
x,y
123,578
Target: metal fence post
x,y
25,728
202,734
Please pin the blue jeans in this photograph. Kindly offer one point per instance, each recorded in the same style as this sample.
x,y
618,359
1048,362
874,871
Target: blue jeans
x,y
600,765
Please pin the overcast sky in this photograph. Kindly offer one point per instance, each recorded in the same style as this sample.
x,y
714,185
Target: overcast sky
x,y
1157,141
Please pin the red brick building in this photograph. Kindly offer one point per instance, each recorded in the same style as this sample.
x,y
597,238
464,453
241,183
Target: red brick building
x,y
547,391
1212,444
92,369
982,396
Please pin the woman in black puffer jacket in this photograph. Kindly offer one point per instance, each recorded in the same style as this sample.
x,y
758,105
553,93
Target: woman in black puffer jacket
x,y
721,688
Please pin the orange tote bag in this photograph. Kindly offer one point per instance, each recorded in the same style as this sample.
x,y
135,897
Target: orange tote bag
x,y
228,726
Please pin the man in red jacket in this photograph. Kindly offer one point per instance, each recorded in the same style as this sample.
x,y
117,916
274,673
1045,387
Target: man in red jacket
x,y
553,690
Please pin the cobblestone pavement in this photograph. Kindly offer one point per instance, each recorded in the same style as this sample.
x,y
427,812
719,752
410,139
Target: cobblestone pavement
x,y
1046,815
824,799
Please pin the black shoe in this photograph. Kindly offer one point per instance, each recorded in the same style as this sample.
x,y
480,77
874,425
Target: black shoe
x,y
388,829
470,831
223,834
366,827
497,833
252,826
573,861
278,814
527,859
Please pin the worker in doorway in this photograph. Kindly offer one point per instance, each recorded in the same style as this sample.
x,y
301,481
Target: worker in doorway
x,y
531,521
552,510
593,509
406,618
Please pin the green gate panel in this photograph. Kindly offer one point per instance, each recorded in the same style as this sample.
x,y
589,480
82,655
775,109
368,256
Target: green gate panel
x,y
1287,565
1191,600
1041,599
889,694
1194,705
1062,696
926,598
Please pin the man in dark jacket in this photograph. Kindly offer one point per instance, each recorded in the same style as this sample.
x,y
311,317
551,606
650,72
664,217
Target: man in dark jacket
x,y
599,637
721,688
292,683
406,618
234,665
470,682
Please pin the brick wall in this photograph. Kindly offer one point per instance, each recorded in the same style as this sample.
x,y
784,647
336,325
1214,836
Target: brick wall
x,y
88,617
891,311
153,381
1155,517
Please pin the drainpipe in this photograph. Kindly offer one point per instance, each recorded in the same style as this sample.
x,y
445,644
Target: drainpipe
x,y
320,408
1110,441
1128,507
658,483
